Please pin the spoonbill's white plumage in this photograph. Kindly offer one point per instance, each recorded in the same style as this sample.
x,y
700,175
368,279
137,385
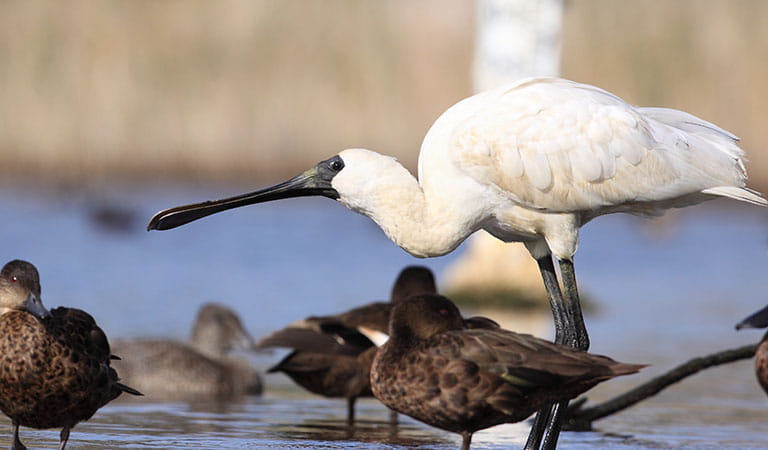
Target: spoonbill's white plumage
x,y
528,162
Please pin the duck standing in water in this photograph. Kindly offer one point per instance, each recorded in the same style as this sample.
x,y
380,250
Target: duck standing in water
x,y
759,320
437,371
55,370
200,370
332,355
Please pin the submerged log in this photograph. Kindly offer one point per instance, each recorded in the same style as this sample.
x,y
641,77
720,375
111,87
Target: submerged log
x,y
579,418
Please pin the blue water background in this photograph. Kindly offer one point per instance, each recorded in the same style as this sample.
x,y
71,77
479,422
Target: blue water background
x,y
665,291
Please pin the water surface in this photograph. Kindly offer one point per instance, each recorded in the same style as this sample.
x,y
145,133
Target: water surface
x,y
665,293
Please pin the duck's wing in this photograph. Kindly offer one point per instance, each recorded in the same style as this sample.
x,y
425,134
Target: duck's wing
x,y
77,330
304,361
357,336
475,322
527,361
373,316
308,340
80,331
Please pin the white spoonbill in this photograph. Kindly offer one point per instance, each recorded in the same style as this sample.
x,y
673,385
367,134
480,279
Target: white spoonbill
x,y
529,162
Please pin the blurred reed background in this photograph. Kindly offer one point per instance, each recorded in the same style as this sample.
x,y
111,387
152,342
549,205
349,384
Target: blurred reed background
x,y
260,89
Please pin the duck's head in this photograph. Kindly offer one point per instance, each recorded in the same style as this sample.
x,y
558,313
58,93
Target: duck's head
x,y
413,280
346,177
20,289
424,316
218,330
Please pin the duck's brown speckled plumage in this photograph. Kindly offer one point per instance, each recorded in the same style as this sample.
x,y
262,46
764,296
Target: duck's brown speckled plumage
x,y
463,380
331,357
759,320
761,363
55,371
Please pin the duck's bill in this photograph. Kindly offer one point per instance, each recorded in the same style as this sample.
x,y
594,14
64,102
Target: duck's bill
x,y
756,320
34,306
308,183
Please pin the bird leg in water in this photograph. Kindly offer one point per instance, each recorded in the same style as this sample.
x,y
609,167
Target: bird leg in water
x,y
17,445
570,331
537,430
563,336
64,436
577,337
573,307
466,440
351,411
393,418
554,424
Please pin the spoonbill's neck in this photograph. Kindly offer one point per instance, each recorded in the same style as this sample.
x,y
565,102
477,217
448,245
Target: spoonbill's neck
x,y
420,220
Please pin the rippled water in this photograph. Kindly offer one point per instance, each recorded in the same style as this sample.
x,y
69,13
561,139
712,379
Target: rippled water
x,y
664,294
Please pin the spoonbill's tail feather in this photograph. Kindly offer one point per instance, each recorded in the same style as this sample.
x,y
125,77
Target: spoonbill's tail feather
x,y
737,193
711,143
685,121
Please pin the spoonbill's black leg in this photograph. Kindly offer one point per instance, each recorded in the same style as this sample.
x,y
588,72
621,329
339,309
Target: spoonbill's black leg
x,y
563,335
577,337
537,430
573,306
555,296
554,424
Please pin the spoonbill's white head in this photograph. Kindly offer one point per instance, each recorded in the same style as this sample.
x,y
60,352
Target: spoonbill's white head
x,y
354,177
371,183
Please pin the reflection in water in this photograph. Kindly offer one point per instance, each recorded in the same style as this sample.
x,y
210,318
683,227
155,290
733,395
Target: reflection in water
x,y
660,301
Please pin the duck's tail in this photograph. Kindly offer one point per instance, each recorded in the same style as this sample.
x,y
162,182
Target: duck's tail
x,y
129,389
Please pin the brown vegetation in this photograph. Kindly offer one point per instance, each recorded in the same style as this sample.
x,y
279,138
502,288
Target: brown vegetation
x,y
262,89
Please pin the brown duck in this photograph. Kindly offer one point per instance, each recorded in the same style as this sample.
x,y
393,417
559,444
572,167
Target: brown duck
x,y
55,369
759,320
437,371
332,355
200,370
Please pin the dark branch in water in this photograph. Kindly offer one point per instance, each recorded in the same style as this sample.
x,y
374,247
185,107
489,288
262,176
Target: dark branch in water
x,y
580,419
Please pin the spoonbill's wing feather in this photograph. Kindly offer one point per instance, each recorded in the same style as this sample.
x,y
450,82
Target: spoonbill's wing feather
x,y
560,146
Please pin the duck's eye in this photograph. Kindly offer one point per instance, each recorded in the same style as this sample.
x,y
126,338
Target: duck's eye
x,y
443,311
336,165
14,279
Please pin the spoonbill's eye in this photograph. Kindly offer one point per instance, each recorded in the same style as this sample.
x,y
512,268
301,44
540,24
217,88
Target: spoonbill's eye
x,y
336,165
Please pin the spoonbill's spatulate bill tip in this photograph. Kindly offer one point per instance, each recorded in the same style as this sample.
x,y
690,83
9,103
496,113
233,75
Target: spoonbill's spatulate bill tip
x,y
314,182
